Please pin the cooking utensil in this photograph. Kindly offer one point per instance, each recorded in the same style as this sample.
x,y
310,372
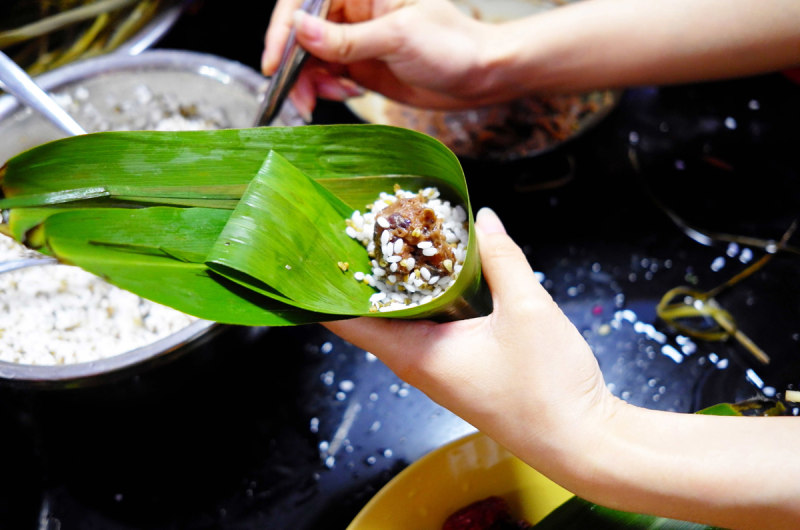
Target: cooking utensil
x,y
233,87
15,80
291,62
23,263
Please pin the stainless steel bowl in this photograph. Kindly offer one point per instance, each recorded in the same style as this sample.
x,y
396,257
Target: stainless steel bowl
x,y
234,89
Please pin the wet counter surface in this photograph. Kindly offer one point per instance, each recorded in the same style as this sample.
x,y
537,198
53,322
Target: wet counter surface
x,y
293,428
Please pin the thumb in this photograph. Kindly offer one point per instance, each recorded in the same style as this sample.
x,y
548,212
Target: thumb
x,y
343,43
505,267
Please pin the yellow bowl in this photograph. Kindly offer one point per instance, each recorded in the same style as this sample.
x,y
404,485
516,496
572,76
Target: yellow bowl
x,y
469,469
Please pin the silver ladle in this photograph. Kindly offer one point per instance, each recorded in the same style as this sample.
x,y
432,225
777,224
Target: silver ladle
x,y
17,82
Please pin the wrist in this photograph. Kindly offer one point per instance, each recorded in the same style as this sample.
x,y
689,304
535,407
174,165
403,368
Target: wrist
x,y
512,61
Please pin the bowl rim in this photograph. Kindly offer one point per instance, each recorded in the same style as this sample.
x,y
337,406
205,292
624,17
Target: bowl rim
x,y
223,70
433,481
208,65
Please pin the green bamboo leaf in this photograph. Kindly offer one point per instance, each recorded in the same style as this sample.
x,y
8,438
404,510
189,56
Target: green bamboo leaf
x,y
295,207
289,233
578,514
136,250
751,407
58,21
223,162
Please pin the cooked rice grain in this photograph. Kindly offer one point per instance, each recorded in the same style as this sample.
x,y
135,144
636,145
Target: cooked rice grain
x,y
421,285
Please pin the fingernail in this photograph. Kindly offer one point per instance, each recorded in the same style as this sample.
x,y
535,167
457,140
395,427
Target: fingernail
x,y
488,222
301,107
339,89
352,88
310,27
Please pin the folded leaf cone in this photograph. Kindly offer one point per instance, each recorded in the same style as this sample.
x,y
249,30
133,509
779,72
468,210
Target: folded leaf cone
x,y
239,226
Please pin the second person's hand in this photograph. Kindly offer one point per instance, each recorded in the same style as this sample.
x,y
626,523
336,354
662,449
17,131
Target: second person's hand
x,y
425,53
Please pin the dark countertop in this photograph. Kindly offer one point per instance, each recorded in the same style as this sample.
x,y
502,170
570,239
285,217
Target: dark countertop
x,y
293,428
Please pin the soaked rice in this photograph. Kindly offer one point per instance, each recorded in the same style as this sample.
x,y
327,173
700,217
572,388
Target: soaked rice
x,y
400,291
59,314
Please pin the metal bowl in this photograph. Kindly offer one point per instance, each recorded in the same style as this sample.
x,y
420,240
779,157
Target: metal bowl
x,y
233,90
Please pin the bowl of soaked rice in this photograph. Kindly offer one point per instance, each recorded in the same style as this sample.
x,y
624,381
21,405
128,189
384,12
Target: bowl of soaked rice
x,y
58,323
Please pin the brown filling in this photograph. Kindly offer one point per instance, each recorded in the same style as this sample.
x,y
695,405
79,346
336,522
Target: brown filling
x,y
414,222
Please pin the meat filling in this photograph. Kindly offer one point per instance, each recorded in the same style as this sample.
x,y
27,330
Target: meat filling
x,y
407,232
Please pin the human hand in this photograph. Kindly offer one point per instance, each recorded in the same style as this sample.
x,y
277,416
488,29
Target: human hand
x,y
424,53
524,374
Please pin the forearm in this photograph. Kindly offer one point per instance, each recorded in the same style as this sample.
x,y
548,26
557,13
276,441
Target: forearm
x,y
618,43
733,472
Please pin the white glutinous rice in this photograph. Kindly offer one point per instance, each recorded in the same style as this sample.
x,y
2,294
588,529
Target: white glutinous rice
x,y
402,280
59,314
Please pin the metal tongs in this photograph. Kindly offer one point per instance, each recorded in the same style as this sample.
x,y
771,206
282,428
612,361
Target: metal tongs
x,y
291,62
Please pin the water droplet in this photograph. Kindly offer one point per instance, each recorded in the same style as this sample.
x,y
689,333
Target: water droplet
x,y
754,378
672,353
730,123
346,385
619,300
633,138
326,348
718,264
753,104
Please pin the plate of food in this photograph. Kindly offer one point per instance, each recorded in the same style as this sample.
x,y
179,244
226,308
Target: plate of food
x,y
439,489
507,131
